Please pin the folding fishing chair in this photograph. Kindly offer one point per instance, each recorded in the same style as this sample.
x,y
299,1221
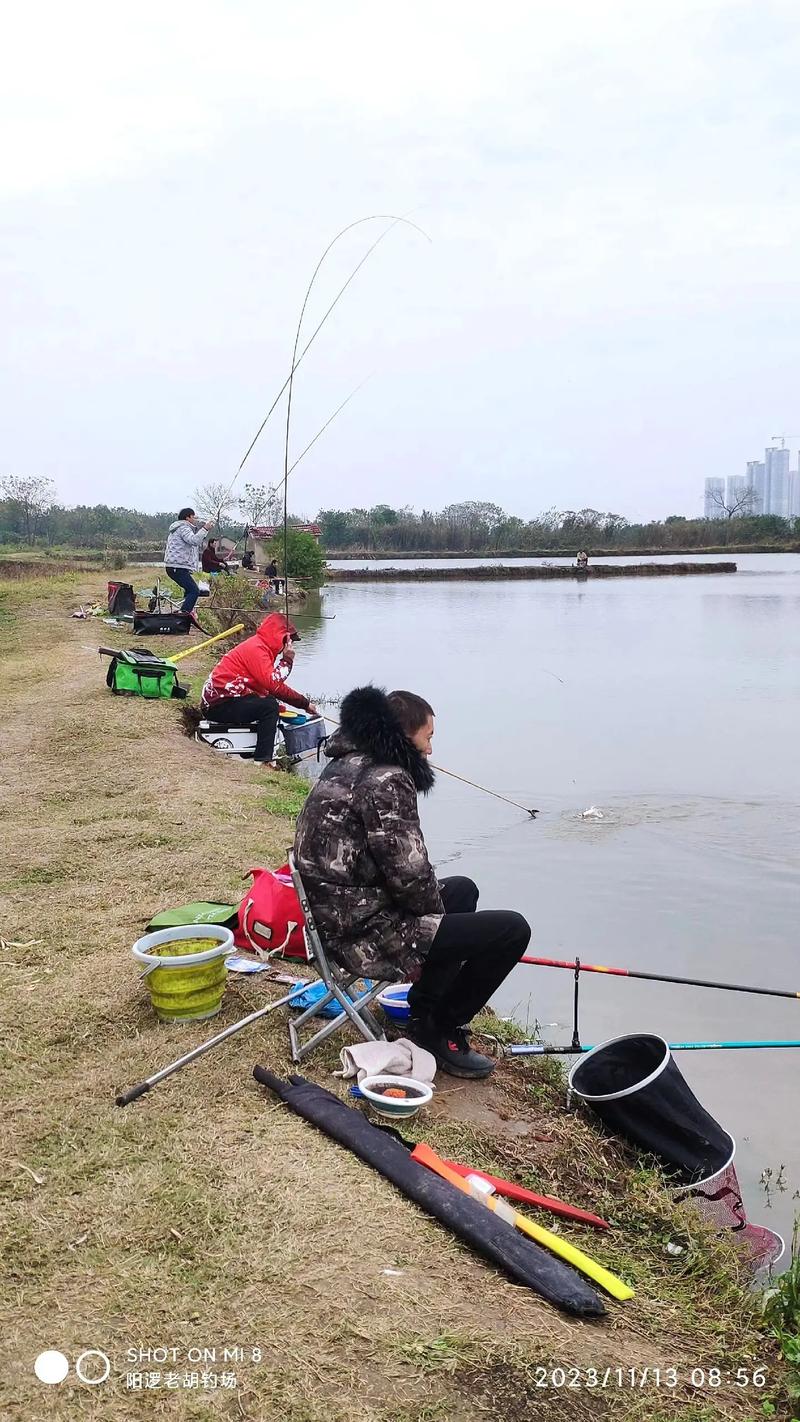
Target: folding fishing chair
x,y
339,984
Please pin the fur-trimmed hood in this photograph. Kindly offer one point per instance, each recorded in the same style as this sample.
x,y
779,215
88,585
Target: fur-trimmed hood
x,y
369,726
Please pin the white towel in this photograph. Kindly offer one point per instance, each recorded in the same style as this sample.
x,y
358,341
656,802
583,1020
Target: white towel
x,y
400,1058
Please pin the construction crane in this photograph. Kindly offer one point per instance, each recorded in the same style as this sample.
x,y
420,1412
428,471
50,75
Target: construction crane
x,y
783,438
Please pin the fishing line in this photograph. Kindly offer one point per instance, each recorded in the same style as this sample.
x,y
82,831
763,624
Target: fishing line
x,y
463,779
329,421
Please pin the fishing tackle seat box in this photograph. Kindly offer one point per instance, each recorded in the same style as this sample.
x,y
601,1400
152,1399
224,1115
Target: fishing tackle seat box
x,y
140,673
163,624
301,732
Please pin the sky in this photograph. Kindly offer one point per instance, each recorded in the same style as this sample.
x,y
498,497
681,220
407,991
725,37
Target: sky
x,y
600,311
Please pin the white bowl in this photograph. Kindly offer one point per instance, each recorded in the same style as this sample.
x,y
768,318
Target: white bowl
x,y
392,1106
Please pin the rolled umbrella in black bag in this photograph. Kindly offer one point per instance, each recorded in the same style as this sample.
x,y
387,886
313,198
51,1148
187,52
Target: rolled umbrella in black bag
x,y
491,1236
634,1085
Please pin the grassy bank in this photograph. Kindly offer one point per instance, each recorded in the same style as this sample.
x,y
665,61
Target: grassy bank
x,y
207,1217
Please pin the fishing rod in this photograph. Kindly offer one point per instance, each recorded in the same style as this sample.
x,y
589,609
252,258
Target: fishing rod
x,y
329,421
576,966
538,1049
475,786
296,361
310,445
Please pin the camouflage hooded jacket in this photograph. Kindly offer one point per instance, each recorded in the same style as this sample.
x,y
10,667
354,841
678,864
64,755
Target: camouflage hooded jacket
x,y
359,846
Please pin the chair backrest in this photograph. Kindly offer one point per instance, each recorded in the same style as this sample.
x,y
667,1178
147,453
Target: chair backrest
x,y
314,946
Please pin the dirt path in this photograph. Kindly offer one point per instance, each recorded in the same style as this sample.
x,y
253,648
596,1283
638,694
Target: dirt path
x,y
205,1217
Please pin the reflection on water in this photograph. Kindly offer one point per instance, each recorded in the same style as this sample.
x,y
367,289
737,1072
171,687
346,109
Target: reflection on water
x,y
671,705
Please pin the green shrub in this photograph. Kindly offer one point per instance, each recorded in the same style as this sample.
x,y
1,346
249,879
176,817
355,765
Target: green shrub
x,y
304,556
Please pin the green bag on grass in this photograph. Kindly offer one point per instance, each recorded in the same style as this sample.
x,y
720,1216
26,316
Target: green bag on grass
x,y
141,674
224,914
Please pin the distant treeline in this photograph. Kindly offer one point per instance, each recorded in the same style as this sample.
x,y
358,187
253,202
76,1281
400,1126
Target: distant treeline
x,y
475,527
468,527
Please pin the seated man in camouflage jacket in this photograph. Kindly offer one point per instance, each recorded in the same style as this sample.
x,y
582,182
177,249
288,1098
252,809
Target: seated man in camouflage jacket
x,y
373,891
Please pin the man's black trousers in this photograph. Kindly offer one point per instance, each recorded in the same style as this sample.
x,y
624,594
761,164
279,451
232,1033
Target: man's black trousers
x,y
471,955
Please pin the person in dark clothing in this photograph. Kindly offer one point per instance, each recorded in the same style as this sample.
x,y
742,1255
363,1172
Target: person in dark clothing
x,y
249,560
274,576
372,889
210,560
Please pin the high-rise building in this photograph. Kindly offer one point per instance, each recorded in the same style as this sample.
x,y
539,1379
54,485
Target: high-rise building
x,y
755,478
776,481
714,498
793,504
737,488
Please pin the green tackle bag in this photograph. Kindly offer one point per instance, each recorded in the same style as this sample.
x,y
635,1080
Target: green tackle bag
x,y
139,673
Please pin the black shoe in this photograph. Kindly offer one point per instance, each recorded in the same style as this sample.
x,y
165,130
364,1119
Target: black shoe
x,y
451,1049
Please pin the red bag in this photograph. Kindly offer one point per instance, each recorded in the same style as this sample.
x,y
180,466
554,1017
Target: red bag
x,y
270,917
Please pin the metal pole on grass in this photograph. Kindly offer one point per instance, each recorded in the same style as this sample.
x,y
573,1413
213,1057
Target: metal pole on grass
x,y
126,1097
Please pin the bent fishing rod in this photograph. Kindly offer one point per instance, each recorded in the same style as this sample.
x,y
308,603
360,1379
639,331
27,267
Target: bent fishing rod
x,y
296,359
394,220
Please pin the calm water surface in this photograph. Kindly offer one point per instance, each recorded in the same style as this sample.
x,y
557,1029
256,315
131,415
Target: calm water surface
x,y
671,705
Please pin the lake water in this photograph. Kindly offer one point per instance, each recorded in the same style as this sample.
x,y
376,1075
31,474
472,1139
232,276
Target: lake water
x,y
671,705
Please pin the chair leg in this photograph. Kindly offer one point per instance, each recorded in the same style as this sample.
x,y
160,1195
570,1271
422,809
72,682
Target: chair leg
x,y
356,1012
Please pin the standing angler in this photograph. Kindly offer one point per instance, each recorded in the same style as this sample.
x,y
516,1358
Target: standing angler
x,y
372,889
186,537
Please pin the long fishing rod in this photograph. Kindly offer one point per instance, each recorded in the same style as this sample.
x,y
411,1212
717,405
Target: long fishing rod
x,y
296,361
577,966
538,1049
475,786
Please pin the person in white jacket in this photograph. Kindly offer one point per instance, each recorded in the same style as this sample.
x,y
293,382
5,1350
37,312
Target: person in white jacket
x,y
185,541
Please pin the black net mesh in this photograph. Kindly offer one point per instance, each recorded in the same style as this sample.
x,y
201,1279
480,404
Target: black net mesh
x,y
658,1111
638,1092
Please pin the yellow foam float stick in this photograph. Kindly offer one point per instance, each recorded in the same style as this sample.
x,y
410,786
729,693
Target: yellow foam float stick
x,y
594,1271
229,631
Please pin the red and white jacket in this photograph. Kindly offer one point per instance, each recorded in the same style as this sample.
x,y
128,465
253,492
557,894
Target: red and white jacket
x,y
253,668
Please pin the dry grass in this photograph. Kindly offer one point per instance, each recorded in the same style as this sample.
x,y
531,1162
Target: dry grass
x,y
205,1215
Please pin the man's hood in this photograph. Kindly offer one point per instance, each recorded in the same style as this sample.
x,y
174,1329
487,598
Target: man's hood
x,y
177,524
368,725
273,630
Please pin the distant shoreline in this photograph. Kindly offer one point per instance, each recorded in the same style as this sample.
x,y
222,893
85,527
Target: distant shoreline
x,y
502,573
722,549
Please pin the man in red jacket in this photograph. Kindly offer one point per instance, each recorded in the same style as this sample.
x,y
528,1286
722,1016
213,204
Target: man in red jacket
x,y
244,686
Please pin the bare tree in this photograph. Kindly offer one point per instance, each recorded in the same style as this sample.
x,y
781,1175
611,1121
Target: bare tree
x,y
34,495
214,500
738,506
261,504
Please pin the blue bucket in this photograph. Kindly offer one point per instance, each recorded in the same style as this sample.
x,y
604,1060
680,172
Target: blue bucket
x,y
394,1001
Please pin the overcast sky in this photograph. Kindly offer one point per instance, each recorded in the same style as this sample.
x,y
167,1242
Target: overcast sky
x,y
606,313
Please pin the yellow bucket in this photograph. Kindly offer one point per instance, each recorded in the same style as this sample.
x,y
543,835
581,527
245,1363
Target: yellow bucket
x,y
186,970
